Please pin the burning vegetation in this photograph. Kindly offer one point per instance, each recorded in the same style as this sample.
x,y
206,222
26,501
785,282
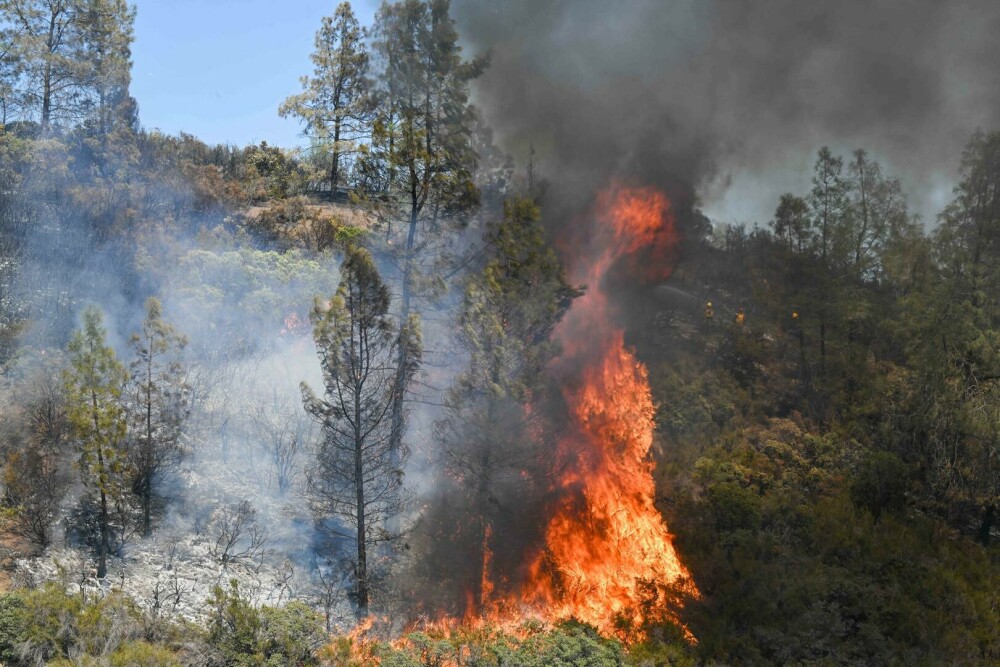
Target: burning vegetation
x,y
405,399
608,559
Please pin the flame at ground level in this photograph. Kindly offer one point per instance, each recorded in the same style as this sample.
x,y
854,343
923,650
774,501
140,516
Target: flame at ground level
x,y
609,559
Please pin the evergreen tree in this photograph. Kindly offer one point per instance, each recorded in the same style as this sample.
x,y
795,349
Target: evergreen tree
x,y
45,37
94,383
107,28
10,73
336,101
954,398
828,201
158,401
422,159
358,478
491,439
877,211
791,224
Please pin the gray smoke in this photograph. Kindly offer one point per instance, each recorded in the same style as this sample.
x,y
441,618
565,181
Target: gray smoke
x,y
729,100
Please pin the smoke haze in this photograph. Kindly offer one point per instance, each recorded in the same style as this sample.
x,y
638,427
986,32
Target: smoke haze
x,y
729,101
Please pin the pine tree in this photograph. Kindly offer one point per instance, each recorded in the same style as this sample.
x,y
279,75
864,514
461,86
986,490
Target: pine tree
x,y
828,201
336,101
491,439
94,383
107,29
954,402
45,37
358,478
158,402
877,211
422,159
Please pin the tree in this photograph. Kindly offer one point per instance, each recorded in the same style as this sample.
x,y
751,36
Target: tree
x,y
335,104
237,533
877,211
37,476
10,74
68,58
357,477
828,202
880,483
107,32
94,384
422,156
282,434
46,39
791,224
954,402
491,439
158,402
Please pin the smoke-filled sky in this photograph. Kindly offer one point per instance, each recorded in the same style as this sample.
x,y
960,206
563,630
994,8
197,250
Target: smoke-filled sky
x,y
735,96
731,97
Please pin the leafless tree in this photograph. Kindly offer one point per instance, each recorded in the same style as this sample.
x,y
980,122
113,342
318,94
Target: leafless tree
x,y
37,475
237,535
281,430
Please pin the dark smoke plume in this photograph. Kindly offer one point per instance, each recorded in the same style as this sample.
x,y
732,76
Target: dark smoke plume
x,y
729,100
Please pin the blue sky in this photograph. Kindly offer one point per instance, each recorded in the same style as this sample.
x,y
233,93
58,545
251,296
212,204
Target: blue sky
x,y
218,69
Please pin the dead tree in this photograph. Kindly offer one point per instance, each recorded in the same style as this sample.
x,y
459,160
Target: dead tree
x,y
237,536
281,431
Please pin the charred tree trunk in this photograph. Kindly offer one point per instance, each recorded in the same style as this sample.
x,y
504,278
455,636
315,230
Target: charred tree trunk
x,y
986,524
403,362
362,571
147,482
335,167
102,549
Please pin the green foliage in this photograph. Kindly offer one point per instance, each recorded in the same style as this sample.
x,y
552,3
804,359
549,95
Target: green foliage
x,y
291,634
568,644
13,626
230,294
157,404
791,572
244,635
336,101
272,173
880,483
296,223
94,383
144,654
59,626
235,627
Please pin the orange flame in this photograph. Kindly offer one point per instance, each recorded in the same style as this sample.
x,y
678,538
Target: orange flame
x,y
609,559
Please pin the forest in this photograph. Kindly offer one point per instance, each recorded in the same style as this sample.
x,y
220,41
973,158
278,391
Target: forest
x,y
407,396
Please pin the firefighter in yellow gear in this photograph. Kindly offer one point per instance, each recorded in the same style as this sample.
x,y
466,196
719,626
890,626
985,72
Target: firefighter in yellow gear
x,y
740,317
709,312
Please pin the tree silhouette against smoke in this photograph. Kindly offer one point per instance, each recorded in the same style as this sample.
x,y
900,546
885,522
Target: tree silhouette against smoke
x,y
493,435
419,172
356,478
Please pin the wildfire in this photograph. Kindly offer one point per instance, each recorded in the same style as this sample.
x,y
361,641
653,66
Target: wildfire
x,y
609,559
